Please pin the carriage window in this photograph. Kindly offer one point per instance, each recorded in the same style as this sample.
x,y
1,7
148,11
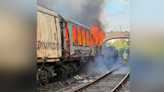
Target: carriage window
x,y
84,38
74,32
67,39
80,39
88,42
66,32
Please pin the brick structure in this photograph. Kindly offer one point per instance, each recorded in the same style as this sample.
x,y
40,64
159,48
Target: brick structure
x,y
114,35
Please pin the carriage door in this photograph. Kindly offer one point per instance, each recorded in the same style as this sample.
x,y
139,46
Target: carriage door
x,y
67,44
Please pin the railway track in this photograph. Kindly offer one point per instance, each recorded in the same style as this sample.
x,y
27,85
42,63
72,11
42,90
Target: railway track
x,y
104,83
124,85
86,82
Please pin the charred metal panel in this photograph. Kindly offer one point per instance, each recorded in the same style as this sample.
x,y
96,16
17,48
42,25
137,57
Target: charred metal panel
x,y
93,50
77,50
65,40
64,43
69,26
74,22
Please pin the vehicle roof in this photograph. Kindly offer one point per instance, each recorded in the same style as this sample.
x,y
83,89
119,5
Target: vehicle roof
x,y
51,12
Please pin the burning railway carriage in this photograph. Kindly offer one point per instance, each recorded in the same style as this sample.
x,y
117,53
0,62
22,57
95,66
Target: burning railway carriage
x,y
77,40
61,43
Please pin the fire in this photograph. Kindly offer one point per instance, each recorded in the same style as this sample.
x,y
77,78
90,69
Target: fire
x,y
80,39
95,30
84,42
67,38
101,36
74,35
97,34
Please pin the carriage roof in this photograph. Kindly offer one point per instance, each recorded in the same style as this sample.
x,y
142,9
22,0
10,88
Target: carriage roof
x,y
51,12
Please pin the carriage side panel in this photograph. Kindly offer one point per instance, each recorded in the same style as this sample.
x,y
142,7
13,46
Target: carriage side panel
x,y
48,36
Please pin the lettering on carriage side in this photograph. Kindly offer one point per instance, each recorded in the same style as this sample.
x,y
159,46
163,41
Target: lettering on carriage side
x,y
48,45
79,51
39,45
54,47
45,45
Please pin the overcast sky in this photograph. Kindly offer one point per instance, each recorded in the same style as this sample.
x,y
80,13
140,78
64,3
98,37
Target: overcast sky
x,y
116,13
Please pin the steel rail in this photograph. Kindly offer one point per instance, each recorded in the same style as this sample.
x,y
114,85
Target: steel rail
x,y
122,81
102,77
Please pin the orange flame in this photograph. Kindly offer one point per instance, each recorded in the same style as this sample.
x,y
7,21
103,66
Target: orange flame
x,y
67,38
97,34
88,42
101,36
95,30
80,39
84,42
74,34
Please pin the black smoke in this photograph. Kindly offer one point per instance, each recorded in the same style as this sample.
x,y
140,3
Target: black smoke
x,y
86,12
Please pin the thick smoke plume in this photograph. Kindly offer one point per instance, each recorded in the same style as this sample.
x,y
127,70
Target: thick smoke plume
x,y
86,12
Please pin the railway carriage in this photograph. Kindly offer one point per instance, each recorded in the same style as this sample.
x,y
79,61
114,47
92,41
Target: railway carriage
x,y
61,43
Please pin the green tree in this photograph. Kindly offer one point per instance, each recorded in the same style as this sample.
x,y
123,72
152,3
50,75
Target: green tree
x,y
128,42
128,50
120,44
108,43
121,51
